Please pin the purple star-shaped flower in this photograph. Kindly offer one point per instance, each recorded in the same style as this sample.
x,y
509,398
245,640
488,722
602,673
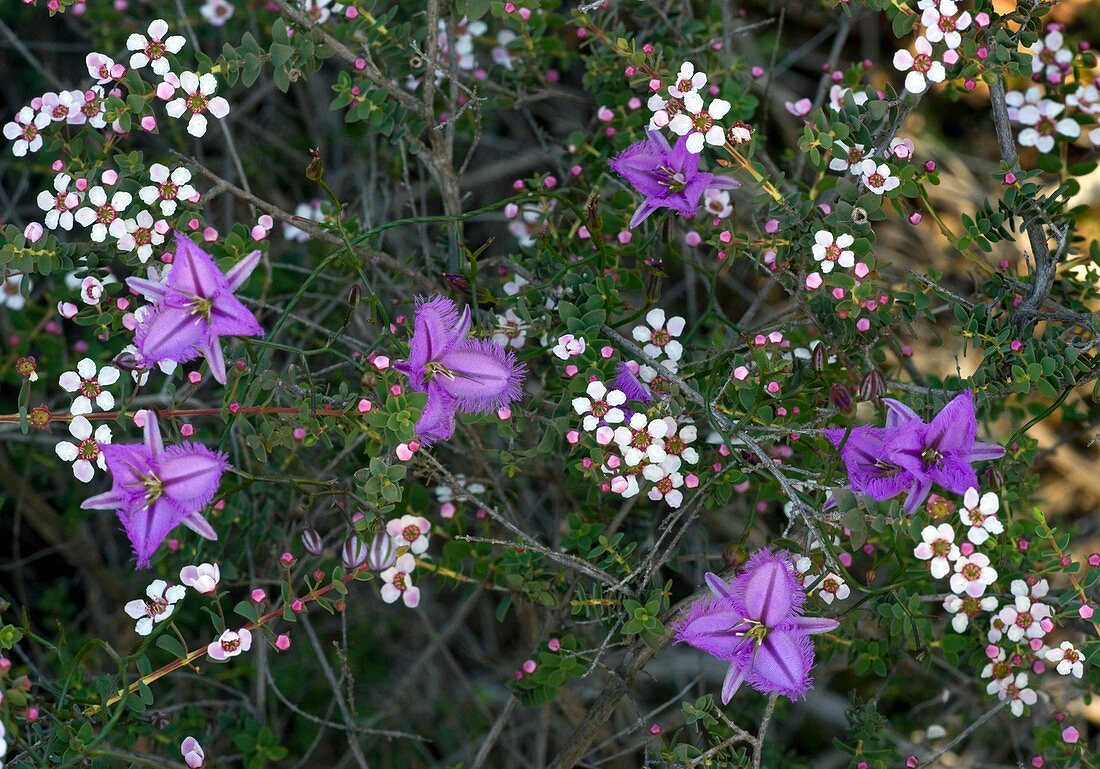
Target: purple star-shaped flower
x,y
943,451
194,308
154,489
911,455
755,623
668,177
459,373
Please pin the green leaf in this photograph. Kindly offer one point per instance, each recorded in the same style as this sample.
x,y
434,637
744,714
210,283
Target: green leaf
x,y
172,645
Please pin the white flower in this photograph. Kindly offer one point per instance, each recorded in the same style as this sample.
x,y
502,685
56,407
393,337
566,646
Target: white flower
x,y
601,405
626,486
1086,99
972,575
311,211
877,178
94,107
1068,659
666,485
832,250
317,10
688,81
966,609
87,451
167,187
980,515
91,290
511,331
193,754
103,214
833,586
203,578
26,131
1024,618
660,337
838,93
1043,124
59,204
569,346
922,67
162,602
142,234
230,644
1050,57
64,107
410,531
103,68
153,50
717,203
642,439
1018,694
944,22
514,286
999,669
678,447
90,383
938,547
500,53
199,98
700,125
217,12
902,149
663,110
397,582
1015,100
849,158
11,293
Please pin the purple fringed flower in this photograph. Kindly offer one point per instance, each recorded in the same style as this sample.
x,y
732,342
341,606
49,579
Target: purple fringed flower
x,y
755,623
911,455
459,373
156,488
630,385
194,308
669,177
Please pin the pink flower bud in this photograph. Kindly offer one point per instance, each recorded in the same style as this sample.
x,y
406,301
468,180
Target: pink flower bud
x,y
554,644
282,643
187,430
258,595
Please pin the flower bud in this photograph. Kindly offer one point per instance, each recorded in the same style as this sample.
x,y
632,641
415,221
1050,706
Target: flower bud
x,y
818,359
354,553
993,478
382,553
872,387
840,397
312,541
316,168
459,283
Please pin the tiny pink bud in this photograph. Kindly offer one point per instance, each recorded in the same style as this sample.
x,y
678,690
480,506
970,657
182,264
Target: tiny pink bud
x,y
282,643
554,644
258,595
915,218
1085,611
573,437
187,430
655,729
297,606
1070,735
529,667
1010,178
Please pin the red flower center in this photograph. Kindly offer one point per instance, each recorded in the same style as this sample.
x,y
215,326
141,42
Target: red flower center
x,y
90,388
88,449
105,214
411,533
